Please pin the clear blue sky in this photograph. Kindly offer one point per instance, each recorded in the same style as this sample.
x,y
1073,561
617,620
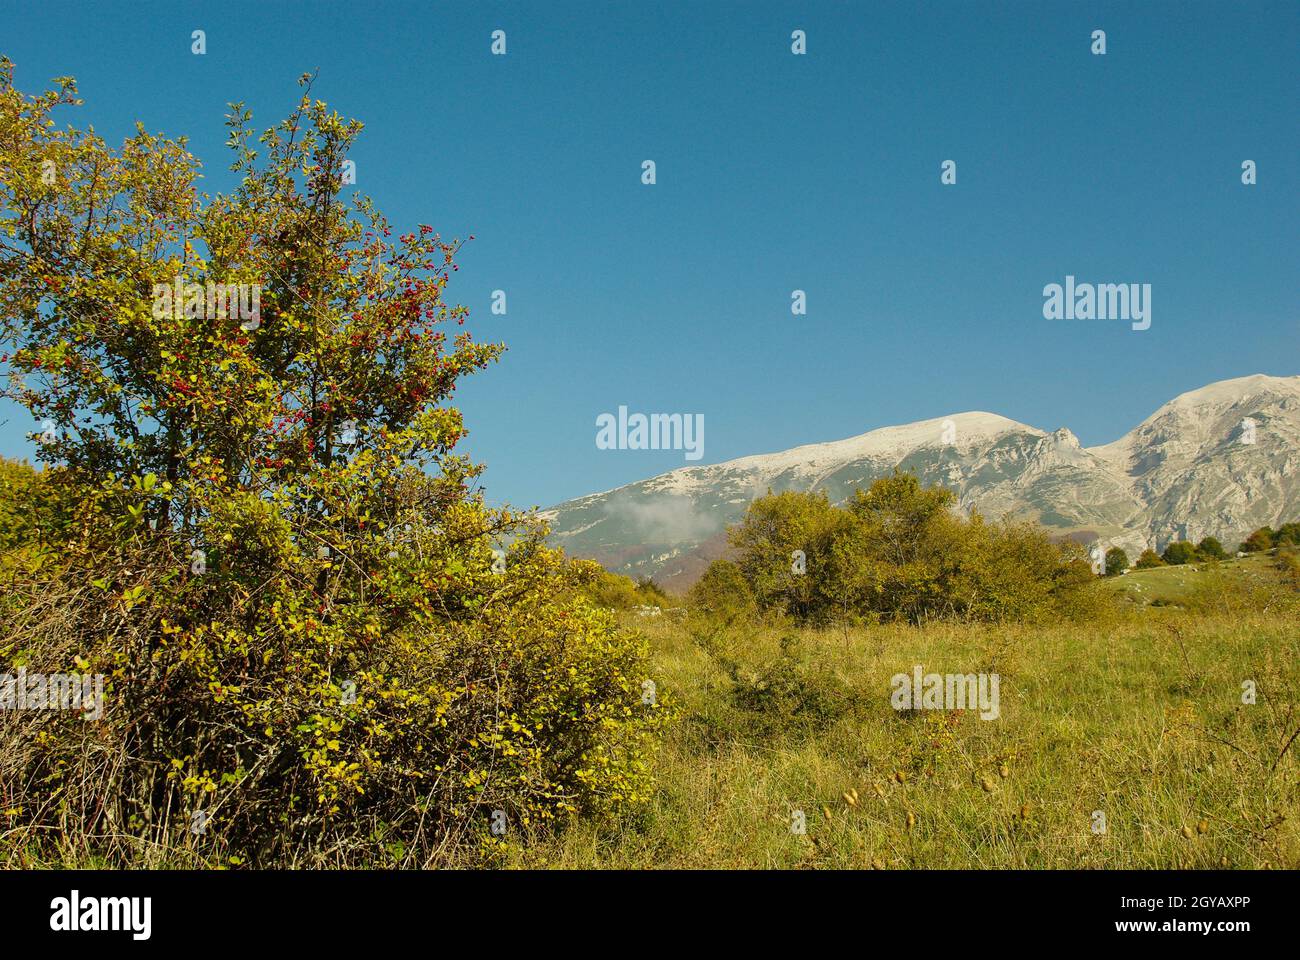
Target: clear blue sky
x,y
775,172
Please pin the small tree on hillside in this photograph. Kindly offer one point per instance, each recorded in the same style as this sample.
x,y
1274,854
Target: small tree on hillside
x,y
1288,534
1211,549
1180,552
897,550
722,597
782,537
1116,561
1260,540
1148,559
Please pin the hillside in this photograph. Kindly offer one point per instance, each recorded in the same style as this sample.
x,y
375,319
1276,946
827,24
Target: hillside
x,y
1187,471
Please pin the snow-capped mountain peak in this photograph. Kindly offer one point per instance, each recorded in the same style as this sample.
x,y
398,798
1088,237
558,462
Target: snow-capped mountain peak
x,y
1222,460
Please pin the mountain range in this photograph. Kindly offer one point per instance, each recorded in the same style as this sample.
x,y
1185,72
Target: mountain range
x,y
1222,460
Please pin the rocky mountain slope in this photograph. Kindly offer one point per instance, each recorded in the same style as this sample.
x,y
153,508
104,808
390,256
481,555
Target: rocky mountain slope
x,y
1221,460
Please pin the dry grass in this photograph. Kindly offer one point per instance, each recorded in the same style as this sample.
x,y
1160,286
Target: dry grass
x,y
1140,718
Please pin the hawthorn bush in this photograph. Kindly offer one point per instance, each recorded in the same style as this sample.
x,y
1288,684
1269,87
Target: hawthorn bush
x,y
321,646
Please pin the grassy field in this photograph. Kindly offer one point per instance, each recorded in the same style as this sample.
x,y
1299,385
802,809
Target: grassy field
x,y
1122,742
1175,585
1138,718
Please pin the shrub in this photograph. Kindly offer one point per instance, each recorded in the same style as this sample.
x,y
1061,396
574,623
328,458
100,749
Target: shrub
x,y
895,551
723,594
651,593
1116,561
789,694
617,592
1288,563
1260,540
1148,559
314,634
1014,571
1287,535
1179,553
302,722
35,510
1211,549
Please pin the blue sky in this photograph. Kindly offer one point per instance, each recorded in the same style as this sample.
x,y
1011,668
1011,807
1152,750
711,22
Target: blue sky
x,y
775,172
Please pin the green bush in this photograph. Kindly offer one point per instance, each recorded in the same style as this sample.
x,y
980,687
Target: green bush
x,y
1288,563
304,724
617,592
895,551
1211,549
1180,552
1287,535
723,595
34,508
1260,540
790,694
315,635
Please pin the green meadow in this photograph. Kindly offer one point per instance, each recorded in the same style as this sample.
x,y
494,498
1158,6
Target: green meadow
x,y
1121,743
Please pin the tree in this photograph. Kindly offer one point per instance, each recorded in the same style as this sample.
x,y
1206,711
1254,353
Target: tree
x,y
313,626
781,538
722,595
1211,549
1260,540
34,513
897,550
1287,535
1116,561
1180,552
902,547
1148,559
